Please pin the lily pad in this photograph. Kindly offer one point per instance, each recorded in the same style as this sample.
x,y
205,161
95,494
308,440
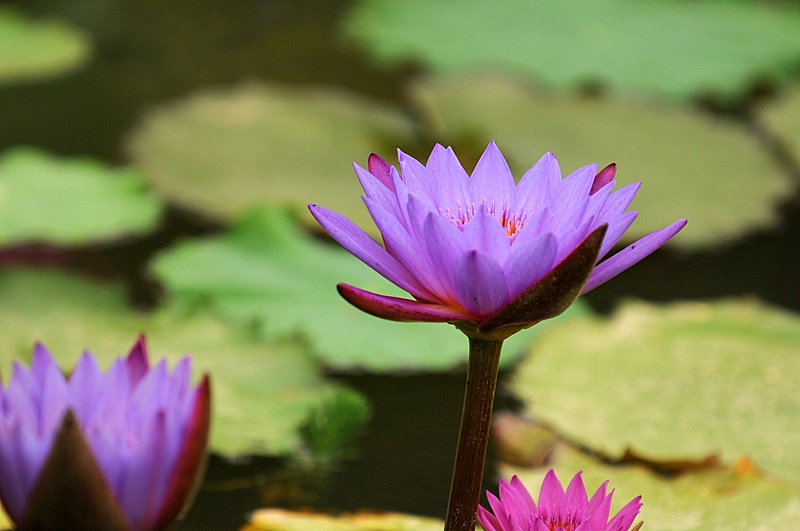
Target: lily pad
x,y
282,520
722,499
677,382
669,47
261,393
268,271
44,198
35,49
781,118
707,170
226,151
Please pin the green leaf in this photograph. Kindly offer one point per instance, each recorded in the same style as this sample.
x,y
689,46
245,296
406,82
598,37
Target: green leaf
x,y
70,201
32,50
261,393
266,269
282,520
711,172
226,151
668,47
781,117
677,382
712,500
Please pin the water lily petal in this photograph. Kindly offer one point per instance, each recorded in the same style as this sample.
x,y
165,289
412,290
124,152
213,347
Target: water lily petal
x,y
397,309
480,284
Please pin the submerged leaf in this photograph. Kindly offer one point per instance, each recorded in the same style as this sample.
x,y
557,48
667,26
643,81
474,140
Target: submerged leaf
x,y
282,520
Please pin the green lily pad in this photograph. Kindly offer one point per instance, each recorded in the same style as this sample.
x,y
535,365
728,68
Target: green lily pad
x,y
722,499
674,383
781,117
224,152
35,49
668,47
267,270
711,172
283,520
70,201
261,393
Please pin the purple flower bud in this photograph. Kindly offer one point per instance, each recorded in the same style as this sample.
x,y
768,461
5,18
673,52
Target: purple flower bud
x,y
119,450
481,251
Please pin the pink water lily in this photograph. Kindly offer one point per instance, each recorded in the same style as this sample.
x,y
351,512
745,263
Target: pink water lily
x,y
119,450
480,250
557,510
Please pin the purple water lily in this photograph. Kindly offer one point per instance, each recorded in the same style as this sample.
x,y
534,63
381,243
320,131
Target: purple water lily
x,y
485,252
119,450
557,510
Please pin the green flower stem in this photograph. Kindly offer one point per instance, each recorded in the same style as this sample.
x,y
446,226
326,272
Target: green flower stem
x,y
473,436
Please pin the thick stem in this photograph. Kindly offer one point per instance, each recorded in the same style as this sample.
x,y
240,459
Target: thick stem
x,y
473,436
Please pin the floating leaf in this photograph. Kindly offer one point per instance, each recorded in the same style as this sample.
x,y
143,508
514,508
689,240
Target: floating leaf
x,y
735,499
267,269
227,151
670,47
282,520
707,170
70,201
261,393
31,49
782,118
678,382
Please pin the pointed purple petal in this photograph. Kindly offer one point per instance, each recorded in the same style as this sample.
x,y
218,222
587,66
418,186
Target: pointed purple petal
x,y
480,284
381,169
603,177
625,517
397,309
358,242
529,262
484,233
137,362
538,184
492,178
611,267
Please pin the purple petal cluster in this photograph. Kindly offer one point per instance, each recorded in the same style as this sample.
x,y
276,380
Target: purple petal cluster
x,y
557,510
146,428
468,246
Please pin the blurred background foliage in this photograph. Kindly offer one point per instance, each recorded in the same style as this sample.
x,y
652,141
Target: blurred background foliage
x,y
155,163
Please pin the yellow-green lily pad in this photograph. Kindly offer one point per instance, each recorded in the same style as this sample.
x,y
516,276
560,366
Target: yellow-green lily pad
x,y
720,499
36,49
261,393
781,117
268,271
710,171
283,520
226,151
678,382
49,199
672,48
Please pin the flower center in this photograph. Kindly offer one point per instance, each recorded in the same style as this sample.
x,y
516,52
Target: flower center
x,y
559,522
463,213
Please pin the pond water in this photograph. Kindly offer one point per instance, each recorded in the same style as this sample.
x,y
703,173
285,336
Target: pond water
x,y
151,52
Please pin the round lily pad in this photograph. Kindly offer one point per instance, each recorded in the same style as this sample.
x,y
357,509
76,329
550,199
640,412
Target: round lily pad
x,y
44,198
283,520
679,382
781,117
668,47
267,271
722,499
35,49
225,151
261,393
707,170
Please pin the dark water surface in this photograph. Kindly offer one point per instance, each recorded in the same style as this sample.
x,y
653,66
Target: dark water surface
x,y
150,52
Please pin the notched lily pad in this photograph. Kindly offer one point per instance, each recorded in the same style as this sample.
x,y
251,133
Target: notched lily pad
x,y
267,270
711,172
35,49
667,47
282,520
224,152
70,201
261,393
722,499
679,382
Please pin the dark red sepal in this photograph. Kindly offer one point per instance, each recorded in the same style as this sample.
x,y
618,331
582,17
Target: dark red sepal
x,y
71,492
551,295
187,475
